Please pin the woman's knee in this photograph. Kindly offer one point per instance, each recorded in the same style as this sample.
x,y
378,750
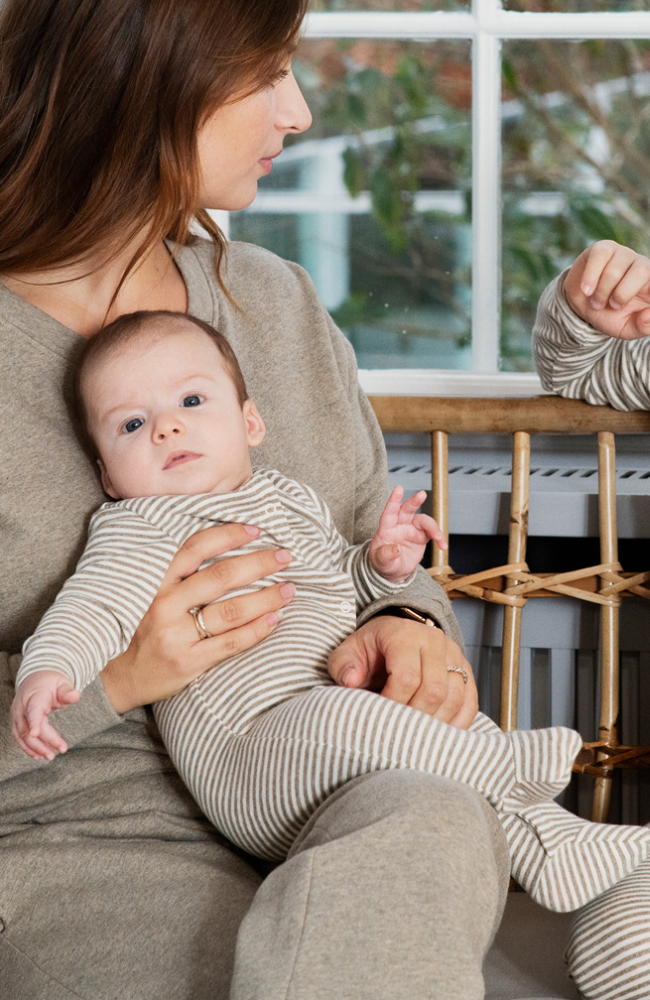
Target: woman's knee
x,y
424,808
609,947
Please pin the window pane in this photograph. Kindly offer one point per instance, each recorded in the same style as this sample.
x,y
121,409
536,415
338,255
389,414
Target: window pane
x,y
576,165
374,199
576,6
405,5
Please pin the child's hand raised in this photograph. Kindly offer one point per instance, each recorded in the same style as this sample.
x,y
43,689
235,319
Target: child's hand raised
x,y
609,287
38,695
399,544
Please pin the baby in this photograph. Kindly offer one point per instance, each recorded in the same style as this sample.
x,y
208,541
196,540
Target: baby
x,y
263,739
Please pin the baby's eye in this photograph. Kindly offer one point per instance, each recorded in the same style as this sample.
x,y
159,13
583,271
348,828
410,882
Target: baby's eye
x,y
192,401
132,425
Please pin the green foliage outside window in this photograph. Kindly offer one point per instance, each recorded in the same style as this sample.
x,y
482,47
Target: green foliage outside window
x,y
575,169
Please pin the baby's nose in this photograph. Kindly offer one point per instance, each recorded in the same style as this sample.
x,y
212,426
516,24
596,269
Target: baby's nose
x,y
167,427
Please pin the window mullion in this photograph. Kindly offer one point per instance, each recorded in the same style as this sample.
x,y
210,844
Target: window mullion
x,y
486,192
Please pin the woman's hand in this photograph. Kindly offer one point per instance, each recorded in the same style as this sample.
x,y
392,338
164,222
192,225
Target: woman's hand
x,y
407,662
166,653
609,287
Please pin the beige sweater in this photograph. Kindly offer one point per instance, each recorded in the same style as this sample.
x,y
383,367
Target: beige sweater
x,y
321,430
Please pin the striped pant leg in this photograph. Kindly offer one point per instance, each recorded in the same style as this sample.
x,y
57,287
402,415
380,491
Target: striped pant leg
x,y
260,786
274,777
609,947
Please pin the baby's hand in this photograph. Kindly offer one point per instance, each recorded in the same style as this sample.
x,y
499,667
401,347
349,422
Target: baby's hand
x,y
38,695
609,287
399,544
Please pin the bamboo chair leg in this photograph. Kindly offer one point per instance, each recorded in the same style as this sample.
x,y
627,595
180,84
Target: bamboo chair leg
x,y
609,667
440,487
518,538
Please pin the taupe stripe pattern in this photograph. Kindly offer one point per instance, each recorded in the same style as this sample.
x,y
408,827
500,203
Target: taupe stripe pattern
x,y
259,786
563,861
580,860
131,544
576,361
608,952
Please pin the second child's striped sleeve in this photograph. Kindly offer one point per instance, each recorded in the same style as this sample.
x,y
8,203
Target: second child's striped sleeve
x,y
99,608
576,361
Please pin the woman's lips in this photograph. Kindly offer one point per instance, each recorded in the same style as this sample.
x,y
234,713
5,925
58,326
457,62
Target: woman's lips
x,y
179,458
266,162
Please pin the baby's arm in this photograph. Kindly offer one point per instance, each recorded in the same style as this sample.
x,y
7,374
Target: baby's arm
x,y
382,566
99,607
38,695
398,545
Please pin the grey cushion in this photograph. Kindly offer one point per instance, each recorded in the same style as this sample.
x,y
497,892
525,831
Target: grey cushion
x,y
526,961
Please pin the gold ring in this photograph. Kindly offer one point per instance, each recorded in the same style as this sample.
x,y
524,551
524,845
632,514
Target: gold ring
x,y
201,628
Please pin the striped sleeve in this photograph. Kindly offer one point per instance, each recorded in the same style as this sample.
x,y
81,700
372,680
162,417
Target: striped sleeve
x,y
369,585
99,608
575,360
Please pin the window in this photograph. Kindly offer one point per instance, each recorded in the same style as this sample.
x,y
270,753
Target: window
x,y
461,155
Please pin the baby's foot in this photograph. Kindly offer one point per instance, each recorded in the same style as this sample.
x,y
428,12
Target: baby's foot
x,y
563,861
536,768
543,759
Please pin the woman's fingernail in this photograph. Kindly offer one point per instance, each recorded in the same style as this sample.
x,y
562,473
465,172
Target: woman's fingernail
x,y
613,305
595,304
287,590
273,618
251,529
283,556
586,289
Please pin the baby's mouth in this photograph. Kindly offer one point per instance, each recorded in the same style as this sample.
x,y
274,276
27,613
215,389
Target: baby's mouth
x,y
179,458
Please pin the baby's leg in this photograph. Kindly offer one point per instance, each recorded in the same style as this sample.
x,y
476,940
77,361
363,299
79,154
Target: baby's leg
x,y
563,861
260,787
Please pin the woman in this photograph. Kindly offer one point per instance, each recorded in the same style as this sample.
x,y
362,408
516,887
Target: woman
x,y
592,341
120,122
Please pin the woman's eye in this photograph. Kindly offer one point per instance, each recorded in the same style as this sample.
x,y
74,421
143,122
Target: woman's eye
x,y
192,401
132,425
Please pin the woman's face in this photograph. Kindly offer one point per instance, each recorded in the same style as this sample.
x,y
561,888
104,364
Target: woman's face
x,y
238,142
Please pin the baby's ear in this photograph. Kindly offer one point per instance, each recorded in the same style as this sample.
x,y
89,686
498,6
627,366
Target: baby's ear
x,y
254,424
106,481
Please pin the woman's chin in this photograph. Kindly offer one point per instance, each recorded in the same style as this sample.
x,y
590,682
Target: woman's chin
x,y
233,201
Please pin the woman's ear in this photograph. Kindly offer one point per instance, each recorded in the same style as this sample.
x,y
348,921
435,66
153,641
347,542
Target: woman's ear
x,y
256,429
106,481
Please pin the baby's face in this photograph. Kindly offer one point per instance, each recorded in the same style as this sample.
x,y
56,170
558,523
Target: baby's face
x,y
165,417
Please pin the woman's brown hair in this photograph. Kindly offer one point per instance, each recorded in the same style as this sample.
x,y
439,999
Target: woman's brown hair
x,y
100,105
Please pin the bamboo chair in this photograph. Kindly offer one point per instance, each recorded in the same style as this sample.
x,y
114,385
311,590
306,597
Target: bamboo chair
x,y
512,584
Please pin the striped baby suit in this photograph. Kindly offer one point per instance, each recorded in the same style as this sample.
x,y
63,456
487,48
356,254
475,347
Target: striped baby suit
x,y
226,730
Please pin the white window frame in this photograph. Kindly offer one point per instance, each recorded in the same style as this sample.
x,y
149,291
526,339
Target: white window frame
x,y
485,25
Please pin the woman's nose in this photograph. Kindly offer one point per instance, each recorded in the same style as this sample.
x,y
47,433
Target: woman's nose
x,y
293,114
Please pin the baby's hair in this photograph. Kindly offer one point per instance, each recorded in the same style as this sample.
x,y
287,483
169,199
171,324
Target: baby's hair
x,y
125,330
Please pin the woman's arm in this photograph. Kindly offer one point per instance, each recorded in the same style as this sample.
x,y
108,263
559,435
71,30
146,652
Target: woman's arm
x,y
590,337
405,660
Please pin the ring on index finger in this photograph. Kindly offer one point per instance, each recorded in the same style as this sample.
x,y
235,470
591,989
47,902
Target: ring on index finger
x,y
201,628
458,670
